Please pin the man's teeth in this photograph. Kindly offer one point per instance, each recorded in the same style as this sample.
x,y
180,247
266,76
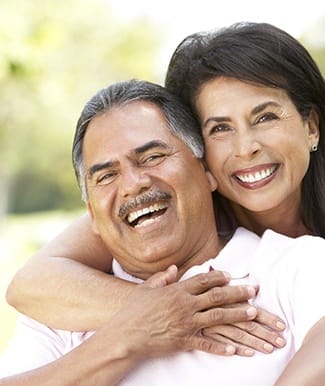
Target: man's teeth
x,y
141,212
257,176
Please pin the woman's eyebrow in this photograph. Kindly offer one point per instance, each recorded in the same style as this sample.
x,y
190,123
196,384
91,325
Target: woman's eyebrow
x,y
256,110
216,119
263,106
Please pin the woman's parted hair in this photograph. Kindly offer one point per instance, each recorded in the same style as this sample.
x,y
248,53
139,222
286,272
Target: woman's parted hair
x,y
266,55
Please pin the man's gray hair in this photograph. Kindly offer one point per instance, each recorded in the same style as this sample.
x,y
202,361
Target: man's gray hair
x,y
179,119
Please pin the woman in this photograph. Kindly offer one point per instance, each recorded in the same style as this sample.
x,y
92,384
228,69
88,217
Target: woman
x,y
255,58
217,72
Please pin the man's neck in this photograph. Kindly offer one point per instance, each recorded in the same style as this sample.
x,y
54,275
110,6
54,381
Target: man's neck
x,y
211,249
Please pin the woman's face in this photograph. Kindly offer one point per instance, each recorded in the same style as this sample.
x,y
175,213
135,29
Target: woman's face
x,y
257,145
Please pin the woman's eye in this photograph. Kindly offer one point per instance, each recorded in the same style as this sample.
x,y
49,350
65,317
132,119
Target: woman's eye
x,y
266,117
219,128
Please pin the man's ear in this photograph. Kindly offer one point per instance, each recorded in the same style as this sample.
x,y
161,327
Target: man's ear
x,y
92,217
313,127
212,181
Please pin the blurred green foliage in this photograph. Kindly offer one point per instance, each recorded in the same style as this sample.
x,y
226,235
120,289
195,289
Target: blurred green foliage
x,y
21,236
54,56
314,39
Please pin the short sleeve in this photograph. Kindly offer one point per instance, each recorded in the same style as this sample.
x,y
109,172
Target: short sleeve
x,y
32,345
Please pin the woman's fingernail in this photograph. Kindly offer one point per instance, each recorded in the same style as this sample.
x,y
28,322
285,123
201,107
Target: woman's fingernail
x,y
230,349
251,311
251,291
280,325
268,347
249,352
280,342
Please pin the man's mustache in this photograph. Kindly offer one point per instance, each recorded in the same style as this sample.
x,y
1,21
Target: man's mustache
x,y
145,198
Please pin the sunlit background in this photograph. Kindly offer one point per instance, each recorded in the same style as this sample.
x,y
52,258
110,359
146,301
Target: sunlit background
x,y
54,56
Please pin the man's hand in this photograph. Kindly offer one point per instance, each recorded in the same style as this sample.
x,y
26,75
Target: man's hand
x,y
164,316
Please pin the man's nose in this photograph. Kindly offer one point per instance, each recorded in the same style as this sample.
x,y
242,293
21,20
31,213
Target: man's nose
x,y
134,180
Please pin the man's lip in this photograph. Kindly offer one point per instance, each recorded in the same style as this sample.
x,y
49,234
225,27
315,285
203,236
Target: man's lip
x,y
256,176
146,210
141,201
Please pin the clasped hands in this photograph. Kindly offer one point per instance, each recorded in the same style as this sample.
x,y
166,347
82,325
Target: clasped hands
x,y
164,315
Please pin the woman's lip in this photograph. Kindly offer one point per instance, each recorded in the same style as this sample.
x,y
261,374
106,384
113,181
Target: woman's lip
x,y
257,176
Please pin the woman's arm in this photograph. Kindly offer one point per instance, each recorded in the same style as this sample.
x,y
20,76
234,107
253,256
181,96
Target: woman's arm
x,y
106,367
124,341
114,349
70,277
307,367
55,282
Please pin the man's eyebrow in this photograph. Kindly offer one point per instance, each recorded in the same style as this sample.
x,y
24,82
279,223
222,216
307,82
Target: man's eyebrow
x,y
98,167
151,145
138,150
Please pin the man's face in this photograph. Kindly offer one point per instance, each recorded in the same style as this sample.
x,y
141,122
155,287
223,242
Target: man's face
x,y
149,197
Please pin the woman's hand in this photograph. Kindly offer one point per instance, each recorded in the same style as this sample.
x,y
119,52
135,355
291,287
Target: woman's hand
x,y
262,334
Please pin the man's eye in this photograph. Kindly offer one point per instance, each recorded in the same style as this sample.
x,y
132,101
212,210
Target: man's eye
x,y
153,158
105,178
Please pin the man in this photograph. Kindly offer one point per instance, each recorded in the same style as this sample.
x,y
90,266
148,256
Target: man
x,y
37,345
135,164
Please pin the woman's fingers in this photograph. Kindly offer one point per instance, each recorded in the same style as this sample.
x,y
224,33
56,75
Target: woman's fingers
x,y
247,335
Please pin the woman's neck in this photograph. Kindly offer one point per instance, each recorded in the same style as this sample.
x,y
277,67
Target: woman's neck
x,y
287,222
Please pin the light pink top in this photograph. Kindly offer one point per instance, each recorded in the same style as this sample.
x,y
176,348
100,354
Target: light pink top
x,y
290,274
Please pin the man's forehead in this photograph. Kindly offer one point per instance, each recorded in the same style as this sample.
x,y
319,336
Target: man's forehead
x,y
128,130
132,116
133,125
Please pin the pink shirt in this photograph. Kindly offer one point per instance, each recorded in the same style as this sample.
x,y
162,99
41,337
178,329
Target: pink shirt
x,y
289,273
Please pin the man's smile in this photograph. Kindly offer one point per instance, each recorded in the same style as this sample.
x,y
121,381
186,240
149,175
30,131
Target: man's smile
x,y
142,215
147,206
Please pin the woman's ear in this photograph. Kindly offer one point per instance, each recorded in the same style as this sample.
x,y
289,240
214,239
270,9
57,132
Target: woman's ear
x,y
212,181
92,217
313,127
